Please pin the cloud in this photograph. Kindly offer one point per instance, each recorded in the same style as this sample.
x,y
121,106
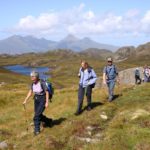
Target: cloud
x,y
145,23
80,21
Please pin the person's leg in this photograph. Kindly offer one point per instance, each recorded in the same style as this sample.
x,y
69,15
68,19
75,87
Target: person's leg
x,y
108,86
80,98
89,97
139,80
111,85
136,79
39,108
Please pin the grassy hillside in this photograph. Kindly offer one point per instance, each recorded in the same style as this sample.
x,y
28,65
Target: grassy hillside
x,y
120,125
65,64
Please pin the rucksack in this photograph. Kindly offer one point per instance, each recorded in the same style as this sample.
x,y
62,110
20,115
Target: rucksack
x,y
49,87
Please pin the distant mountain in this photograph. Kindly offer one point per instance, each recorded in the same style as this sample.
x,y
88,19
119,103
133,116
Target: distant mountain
x,y
73,43
17,44
98,53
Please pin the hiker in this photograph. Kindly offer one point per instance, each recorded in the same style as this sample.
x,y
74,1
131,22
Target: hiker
x,y
137,76
41,99
146,72
87,82
110,76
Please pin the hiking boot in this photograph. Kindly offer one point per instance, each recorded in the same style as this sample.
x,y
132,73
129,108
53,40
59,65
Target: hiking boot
x,y
77,113
89,108
36,133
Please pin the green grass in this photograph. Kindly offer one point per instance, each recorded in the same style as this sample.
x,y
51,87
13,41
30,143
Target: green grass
x,y
127,126
119,131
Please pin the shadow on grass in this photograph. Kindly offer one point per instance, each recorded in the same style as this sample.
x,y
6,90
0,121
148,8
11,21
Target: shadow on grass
x,y
52,122
93,105
96,104
57,121
116,96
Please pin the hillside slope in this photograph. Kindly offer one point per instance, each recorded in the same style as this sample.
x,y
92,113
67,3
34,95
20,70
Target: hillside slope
x,y
120,125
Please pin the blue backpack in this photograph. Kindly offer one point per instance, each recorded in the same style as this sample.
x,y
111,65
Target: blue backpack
x,y
49,87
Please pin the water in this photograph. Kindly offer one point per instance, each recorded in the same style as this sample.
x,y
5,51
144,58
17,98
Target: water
x,y
27,70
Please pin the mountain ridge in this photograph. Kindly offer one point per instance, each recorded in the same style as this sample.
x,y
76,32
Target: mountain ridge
x,y
17,44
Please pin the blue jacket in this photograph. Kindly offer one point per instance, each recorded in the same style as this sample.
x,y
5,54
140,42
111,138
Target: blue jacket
x,y
87,77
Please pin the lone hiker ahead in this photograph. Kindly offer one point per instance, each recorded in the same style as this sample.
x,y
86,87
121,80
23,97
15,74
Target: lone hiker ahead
x,y
137,76
41,99
87,82
110,75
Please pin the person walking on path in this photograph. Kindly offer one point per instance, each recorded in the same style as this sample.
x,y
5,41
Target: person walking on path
x,y
110,76
146,72
137,76
87,82
41,99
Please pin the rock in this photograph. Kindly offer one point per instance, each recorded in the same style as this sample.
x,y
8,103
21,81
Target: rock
x,y
89,133
88,140
127,76
98,135
138,113
2,83
104,117
3,145
90,128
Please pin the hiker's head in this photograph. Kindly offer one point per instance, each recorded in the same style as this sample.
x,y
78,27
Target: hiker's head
x,y
84,64
145,67
34,76
109,61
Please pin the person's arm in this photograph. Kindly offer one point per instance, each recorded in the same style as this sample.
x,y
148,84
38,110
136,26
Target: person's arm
x,y
47,99
94,77
27,97
104,75
79,74
104,78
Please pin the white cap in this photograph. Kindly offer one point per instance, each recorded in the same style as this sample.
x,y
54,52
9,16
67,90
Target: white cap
x,y
109,59
34,74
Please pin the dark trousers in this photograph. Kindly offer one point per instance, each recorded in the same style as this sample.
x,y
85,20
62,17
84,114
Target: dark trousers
x,y
137,79
39,107
81,92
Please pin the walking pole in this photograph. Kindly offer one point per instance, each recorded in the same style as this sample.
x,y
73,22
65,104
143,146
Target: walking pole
x,y
26,120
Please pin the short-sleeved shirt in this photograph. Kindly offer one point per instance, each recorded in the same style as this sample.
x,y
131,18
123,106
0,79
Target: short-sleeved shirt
x,y
111,72
39,88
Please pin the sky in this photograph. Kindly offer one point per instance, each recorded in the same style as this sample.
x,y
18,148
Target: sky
x,y
116,22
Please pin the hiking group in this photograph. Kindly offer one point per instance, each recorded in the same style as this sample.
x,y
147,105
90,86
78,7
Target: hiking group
x,y
87,80
146,75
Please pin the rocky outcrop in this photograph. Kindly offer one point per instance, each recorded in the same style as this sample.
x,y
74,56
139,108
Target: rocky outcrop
x,y
126,77
124,53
